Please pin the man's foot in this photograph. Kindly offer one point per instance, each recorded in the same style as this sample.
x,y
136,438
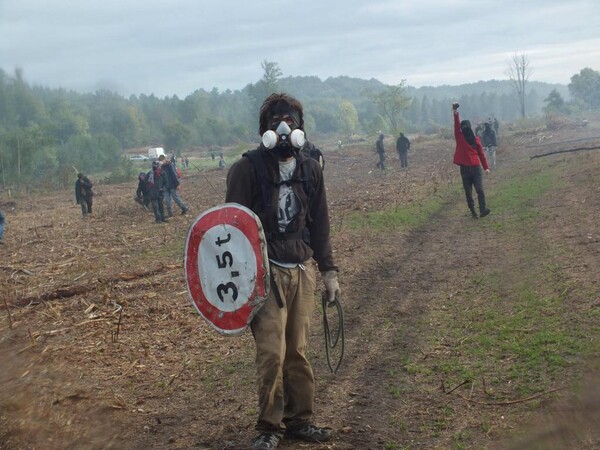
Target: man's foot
x,y
309,433
184,211
170,215
165,220
157,221
474,215
265,441
485,212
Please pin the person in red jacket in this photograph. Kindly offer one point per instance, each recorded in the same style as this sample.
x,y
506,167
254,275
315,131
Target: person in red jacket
x,y
470,157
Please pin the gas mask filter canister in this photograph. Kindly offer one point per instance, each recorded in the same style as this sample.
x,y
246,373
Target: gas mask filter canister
x,y
283,136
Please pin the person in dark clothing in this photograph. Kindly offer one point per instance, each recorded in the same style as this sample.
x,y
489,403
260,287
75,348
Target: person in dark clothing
x,y
488,138
310,150
380,151
402,147
157,192
142,194
2,222
496,126
295,201
84,194
171,184
470,157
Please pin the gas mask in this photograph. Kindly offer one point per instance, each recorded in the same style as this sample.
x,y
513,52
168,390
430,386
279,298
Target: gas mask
x,y
283,141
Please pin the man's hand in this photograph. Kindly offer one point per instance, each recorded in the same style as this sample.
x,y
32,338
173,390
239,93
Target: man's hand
x,y
331,284
454,106
487,170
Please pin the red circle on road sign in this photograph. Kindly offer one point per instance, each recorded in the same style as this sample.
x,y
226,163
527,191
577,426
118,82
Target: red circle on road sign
x,y
226,266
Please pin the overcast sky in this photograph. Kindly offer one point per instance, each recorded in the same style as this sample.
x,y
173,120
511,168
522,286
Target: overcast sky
x,y
168,47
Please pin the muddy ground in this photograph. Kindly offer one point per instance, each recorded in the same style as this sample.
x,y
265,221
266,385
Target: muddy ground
x,y
101,348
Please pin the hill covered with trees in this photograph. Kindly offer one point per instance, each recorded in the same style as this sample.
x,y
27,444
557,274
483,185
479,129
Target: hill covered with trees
x,y
46,133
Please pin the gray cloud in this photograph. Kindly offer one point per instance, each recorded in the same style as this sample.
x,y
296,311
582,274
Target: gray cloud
x,y
176,47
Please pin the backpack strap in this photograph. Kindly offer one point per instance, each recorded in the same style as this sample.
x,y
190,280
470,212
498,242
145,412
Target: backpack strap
x,y
260,170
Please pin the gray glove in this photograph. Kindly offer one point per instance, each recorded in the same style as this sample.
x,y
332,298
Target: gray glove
x,y
331,284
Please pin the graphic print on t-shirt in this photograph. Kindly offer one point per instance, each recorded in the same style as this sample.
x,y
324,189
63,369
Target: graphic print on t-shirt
x,y
288,202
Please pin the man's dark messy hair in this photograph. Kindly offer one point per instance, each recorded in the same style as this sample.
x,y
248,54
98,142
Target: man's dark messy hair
x,y
273,101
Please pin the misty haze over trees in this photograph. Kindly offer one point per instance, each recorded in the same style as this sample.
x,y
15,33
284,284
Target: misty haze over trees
x,y
48,134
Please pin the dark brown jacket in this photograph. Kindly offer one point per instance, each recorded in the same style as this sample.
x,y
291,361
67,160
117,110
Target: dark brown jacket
x,y
244,188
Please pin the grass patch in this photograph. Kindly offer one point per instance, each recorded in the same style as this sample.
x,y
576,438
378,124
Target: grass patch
x,y
398,218
513,198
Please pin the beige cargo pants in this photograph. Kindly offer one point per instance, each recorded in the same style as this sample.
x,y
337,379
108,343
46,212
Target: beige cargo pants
x,y
286,386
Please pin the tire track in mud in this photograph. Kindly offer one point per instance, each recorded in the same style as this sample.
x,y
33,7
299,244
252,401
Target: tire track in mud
x,y
385,314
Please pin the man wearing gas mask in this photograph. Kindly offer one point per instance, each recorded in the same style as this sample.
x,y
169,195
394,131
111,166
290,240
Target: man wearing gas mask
x,y
285,188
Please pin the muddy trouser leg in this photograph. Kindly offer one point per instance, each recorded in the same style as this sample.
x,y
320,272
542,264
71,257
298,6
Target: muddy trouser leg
x,y
177,199
155,209
285,377
467,180
168,201
404,159
382,161
160,204
84,209
89,202
478,183
490,154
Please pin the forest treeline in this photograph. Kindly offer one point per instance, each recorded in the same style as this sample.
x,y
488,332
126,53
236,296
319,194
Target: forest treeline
x,y
46,135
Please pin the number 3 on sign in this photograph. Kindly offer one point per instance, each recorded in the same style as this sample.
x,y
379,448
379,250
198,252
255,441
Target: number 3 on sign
x,y
224,261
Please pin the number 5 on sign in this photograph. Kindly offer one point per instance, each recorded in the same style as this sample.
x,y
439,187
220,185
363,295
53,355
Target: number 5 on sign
x,y
226,266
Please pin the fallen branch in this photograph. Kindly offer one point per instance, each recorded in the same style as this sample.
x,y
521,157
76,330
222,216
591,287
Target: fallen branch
x,y
511,402
71,291
10,323
545,144
564,151
16,270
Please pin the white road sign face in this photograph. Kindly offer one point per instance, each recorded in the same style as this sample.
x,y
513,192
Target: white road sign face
x,y
228,267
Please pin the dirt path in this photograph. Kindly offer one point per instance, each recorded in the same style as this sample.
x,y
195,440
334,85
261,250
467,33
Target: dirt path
x,y
157,377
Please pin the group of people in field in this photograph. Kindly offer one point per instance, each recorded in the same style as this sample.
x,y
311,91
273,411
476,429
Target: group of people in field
x,y
159,188
282,182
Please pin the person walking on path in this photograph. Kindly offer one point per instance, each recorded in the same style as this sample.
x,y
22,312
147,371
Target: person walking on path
x,y
488,138
156,186
171,185
380,151
286,189
469,155
402,147
84,194
2,222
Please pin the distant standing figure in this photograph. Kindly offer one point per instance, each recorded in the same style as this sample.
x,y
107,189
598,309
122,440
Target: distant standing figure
x,y
84,194
187,162
222,163
380,151
402,147
470,157
488,138
2,222
496,126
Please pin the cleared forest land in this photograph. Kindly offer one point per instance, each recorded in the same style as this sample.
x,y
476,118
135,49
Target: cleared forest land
x,y
460,333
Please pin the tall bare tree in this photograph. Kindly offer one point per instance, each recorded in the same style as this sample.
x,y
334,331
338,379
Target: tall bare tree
x,y
519,71
390,103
